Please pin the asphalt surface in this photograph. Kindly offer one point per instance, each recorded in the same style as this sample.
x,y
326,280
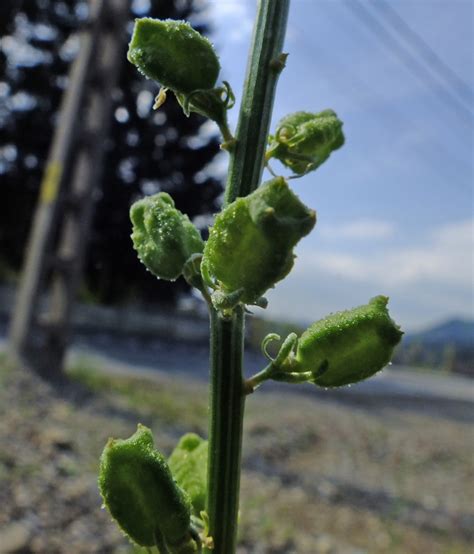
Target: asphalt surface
x,y
183,358
400,387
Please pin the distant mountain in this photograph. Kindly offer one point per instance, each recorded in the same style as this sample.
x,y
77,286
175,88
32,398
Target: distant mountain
x,y
457,332
448,346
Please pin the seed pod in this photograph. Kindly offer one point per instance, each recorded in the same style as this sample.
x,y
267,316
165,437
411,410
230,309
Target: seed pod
x,y
174,54
303,141
250,246
163,237
348,346
188,464
139,491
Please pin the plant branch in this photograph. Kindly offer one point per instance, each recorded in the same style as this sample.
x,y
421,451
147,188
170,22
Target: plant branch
x,y
256,380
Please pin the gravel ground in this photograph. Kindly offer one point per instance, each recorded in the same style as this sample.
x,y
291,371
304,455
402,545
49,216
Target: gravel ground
x,y
319,477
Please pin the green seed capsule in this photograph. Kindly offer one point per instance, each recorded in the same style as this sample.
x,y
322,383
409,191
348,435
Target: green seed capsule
x,y
348,346
303,141
163,237
174,54
188,464
250,246
139,491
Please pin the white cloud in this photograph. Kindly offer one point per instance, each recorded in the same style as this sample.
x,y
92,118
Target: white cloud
x,y
427,282
446,257
361,229
234,16
229,8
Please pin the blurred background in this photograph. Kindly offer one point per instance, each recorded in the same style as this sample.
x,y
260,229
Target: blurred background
x,y
384,466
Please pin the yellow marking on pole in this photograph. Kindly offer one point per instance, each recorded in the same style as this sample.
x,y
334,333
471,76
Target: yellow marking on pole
x,y
50,182
160,98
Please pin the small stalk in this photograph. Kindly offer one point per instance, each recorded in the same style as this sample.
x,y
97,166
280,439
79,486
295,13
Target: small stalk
x,y
227,393
256,380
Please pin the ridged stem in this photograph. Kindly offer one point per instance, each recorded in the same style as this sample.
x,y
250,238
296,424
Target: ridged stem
x,y
264,66
225,432
227,393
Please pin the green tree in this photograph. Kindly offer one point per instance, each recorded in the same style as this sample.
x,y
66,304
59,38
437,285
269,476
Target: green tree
x,y
145,153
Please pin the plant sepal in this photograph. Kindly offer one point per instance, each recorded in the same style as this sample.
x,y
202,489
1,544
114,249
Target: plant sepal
x,y
346,347
188,464
173,54
139,491
250,246
163,237
303,141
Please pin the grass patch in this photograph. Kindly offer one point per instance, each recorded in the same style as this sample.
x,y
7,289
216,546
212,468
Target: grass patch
x,y
171,400
6,367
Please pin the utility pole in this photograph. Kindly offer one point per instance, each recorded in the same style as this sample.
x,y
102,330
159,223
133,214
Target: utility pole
x,y
40,326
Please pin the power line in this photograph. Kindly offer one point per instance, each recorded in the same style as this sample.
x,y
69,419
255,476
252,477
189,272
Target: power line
x,y
412,63
424,49
357,83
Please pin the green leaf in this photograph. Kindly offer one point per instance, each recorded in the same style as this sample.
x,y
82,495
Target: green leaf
x,y
163,237
139,491
250,246
346,347
174,54
303,140
188,464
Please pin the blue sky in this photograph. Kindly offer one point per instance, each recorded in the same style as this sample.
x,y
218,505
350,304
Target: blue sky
x,y
395,203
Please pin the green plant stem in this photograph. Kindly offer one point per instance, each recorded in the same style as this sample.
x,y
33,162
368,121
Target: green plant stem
x,y
225,432
265,64
227,392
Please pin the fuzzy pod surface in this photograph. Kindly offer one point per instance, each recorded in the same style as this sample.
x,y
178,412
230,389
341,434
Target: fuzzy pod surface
x,y
140,493
163,237
348,346
174,54
250,246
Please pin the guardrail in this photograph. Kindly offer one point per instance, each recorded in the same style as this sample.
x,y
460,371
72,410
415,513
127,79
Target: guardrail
x,y
156,321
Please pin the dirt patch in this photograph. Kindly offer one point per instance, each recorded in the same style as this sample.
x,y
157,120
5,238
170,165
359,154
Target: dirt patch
x,y
319,477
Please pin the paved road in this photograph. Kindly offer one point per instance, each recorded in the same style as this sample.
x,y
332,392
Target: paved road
x,y
133,355
393,387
